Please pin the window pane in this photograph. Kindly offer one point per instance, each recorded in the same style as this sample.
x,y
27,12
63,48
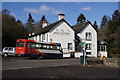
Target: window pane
x,y
20,44
88,46
69,46
88,36
10,49
6,49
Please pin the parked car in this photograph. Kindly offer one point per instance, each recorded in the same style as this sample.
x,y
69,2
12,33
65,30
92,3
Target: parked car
x,y
8,51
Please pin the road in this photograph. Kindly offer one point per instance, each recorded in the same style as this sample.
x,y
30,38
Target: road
x,y
53,68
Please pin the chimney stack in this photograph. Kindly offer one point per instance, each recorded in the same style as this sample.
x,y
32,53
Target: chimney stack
x,y
44,23
61,16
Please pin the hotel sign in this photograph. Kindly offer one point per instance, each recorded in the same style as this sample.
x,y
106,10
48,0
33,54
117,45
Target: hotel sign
x,y
63,33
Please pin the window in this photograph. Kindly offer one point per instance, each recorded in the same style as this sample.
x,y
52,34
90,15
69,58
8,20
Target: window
x,y
88,36
69,46
39,37
102,48
6,49
20,44
33,45
88,46
10,49
43,36
28,45
88,53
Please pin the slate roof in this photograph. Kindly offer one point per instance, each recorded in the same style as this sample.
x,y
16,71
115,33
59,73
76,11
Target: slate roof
x,y
49,27
79,26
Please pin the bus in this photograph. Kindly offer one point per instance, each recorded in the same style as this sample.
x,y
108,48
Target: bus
x,y
33,49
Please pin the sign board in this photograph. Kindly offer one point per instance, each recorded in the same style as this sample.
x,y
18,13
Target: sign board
x,y
81,43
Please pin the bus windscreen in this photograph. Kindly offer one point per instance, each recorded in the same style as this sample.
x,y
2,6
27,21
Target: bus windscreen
x,y
20,44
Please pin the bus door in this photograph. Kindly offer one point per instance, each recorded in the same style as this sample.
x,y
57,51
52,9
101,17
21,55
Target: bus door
x,y
29,48
33,49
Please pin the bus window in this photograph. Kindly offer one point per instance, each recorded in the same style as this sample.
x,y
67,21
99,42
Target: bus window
x,y
20,44
33,45
54,47
28,45
58,47
50,47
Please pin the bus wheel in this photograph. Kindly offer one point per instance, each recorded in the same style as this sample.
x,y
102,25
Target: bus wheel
x,y
40,57
31,57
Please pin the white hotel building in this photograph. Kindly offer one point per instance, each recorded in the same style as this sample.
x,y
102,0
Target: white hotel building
x,y
69,36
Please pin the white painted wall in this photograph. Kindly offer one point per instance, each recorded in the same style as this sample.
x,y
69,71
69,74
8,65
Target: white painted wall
x,y
102,53
82,35
62,33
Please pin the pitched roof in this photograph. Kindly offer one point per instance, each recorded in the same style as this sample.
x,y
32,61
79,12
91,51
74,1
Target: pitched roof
x,y
49,27
78,27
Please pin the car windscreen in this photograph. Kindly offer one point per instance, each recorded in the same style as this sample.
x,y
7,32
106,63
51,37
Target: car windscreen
x,y
20,44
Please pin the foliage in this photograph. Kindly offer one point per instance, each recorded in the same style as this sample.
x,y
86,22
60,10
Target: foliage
x,y
30,24
95,26
109,31
38,25
11,29
81,18
105,20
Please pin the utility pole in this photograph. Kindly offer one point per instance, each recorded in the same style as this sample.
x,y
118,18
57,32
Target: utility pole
x,y
84,50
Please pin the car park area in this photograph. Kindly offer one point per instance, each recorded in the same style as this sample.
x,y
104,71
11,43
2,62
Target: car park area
x,y
19,67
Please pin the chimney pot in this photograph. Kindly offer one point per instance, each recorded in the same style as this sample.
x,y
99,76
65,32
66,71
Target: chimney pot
x,y
61,16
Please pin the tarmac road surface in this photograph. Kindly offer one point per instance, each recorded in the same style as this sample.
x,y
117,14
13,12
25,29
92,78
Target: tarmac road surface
x,y
54,68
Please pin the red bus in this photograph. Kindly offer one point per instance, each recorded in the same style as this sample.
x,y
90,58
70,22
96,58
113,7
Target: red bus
x,y
33,49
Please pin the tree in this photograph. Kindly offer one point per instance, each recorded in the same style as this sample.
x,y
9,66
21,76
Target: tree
x,y
95,25
11,30
105,20
116,16
30,24
81,18
38,25
5,12
102,31
113,37
102,34
43,18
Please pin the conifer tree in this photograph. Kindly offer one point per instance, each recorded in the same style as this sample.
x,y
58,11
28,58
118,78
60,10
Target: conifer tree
x,y
30,24
81,18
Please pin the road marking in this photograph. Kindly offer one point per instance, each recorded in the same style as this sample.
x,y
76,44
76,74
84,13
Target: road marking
x,y
43,66
21,68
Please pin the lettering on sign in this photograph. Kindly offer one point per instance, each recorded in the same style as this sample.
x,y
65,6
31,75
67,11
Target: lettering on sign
x,y
64,33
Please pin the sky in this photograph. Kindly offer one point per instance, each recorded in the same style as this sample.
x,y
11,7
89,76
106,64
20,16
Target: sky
x,y
93,11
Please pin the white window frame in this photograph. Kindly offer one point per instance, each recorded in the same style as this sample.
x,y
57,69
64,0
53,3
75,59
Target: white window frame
x,y
88,46
70,46
88,36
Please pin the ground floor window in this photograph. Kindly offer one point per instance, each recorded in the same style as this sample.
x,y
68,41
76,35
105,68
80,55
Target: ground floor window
x,y
101,47
88,53
69,46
